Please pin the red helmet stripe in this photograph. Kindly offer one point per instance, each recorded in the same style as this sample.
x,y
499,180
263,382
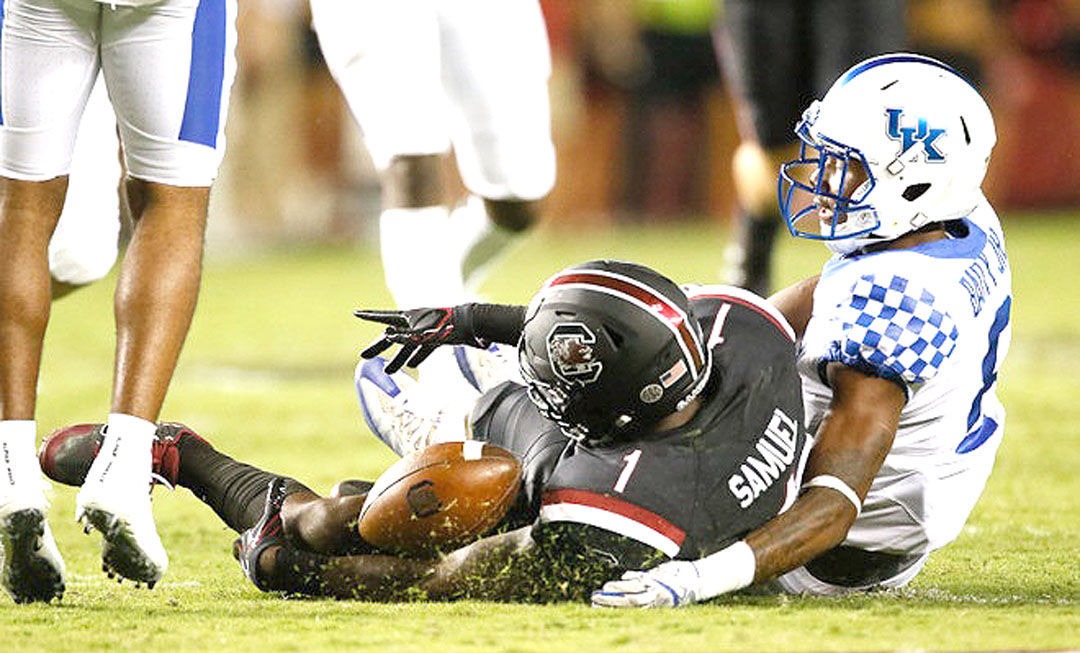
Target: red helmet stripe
x,y
663,308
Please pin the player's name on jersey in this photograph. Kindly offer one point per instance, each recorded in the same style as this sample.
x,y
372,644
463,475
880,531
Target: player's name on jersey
x,y
776,452
980,276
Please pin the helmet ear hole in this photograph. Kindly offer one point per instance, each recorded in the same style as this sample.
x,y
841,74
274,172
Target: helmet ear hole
x,y
915,191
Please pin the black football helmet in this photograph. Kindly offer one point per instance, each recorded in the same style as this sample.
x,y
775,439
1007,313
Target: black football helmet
x,y
609,348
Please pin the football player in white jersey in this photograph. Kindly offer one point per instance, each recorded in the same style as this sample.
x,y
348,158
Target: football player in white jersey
x,y
420,76
902,337
168,66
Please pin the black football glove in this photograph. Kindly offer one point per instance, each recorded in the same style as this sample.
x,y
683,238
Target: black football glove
x,y
419,331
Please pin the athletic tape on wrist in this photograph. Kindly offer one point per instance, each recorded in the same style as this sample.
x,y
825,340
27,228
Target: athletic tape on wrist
x,y
726,570
834,483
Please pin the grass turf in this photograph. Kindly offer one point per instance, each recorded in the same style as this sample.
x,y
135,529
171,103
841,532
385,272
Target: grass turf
x,y
266,376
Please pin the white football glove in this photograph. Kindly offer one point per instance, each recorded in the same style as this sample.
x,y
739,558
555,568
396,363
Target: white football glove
x,y
669,585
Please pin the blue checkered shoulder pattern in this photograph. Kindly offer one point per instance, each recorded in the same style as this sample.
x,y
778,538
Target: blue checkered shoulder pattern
x,y
892,329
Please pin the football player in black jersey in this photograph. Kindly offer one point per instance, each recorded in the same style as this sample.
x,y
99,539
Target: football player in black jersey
x,y
656,423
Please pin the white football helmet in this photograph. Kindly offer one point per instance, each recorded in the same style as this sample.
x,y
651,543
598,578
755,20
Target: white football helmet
x,y
899,141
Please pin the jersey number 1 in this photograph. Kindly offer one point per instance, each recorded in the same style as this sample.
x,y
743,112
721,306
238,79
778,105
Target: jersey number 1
x,y
631,460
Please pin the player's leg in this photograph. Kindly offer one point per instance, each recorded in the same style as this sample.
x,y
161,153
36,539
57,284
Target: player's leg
x,y
234,490
48,64
848,31
169,68
407,415
86,240
763,51
495,68
384,56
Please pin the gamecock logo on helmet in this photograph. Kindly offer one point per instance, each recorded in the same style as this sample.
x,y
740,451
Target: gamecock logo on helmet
x,y
571,353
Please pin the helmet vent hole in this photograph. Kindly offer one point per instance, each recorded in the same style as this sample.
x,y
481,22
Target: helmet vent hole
x,y
915,191
615,337
967,134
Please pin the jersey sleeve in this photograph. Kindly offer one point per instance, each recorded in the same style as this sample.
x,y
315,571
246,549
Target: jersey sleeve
x,y
892,328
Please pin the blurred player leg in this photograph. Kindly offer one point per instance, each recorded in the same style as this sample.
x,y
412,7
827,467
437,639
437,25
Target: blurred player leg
x,y
495,68
385,58
778,57
169,68
407,415
85,244
44,97
764,54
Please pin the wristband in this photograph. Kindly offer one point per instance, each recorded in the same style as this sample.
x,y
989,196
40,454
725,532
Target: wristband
x,y
726,570
501,323
834,483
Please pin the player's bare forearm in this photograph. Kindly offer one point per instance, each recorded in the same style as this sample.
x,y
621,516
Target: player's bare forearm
x,y
796,303
817,522
373,577
481,570
852,442
485,569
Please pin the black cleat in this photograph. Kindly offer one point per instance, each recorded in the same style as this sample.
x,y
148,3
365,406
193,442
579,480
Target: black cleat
x,y
267,532
66,455
32,567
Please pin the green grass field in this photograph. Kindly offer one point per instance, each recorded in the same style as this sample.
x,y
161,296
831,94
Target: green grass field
x,y
266,376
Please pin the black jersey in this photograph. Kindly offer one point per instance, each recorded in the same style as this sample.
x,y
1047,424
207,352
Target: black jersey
x,y
687,492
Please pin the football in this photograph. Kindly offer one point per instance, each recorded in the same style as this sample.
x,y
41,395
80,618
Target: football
x,y
440,498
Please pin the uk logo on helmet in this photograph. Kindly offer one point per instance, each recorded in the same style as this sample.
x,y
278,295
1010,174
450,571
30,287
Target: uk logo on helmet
x,y
571,353
909,136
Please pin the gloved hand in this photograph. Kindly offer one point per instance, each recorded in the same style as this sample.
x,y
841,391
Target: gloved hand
x,y
671,584
419,331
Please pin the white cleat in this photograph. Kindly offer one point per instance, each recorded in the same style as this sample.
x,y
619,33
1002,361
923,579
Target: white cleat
x,y
486,368
401,414
115,500
32,567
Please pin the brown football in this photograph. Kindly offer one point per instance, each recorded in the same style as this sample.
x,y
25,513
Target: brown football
x,y
440,498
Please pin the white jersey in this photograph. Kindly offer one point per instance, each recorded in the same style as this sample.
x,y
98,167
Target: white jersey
x,y
934,318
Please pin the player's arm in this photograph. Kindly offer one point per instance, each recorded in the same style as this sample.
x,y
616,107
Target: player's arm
x,y
482,568
420,331
851,445
852,442
796,303
542,563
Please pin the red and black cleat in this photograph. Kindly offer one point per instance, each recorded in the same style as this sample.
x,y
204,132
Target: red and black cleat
x,y
66,455
268,532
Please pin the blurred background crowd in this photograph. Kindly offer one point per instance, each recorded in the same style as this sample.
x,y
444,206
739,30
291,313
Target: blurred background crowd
x,y
642,121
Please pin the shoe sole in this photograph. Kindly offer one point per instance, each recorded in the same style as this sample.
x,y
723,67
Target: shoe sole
x,y
120,552
28,576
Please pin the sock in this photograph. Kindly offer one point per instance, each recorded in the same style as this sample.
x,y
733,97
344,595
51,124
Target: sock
x,y
18,464
235,491
125,451
419,267
479,240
